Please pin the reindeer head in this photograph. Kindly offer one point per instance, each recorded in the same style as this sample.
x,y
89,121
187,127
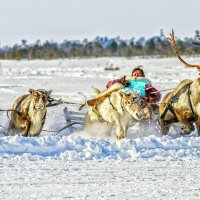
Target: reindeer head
x,y
40,98
131,103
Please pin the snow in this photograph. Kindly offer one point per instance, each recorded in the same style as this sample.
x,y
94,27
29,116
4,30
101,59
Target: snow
x,y
84,165
80,149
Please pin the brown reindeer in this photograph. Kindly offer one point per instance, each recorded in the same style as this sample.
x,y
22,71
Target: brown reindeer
x,y
29,112
183,104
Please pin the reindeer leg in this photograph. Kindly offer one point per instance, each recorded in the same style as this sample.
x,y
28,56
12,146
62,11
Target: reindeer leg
x,y
27,128
164,129
120,131
197,123
189,127
125,128
125,131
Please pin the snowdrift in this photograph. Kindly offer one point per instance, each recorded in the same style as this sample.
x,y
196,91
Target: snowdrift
x,y
78,149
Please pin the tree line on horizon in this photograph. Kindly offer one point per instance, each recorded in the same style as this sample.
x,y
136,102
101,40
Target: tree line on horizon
x,y
101,47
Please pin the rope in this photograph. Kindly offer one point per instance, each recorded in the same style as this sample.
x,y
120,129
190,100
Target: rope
x,y
59,101
163,90
58,131
8,110
3,127
6,133
67,102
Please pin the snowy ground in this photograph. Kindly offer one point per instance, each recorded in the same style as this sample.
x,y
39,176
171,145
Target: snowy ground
x,y
77,167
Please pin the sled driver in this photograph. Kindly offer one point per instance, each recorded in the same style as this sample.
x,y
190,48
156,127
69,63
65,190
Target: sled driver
x,y
137,82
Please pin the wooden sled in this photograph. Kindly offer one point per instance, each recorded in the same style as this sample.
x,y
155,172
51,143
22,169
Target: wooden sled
x,y
73,118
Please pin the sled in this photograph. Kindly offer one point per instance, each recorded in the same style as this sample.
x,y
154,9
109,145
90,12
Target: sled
x,y
73,119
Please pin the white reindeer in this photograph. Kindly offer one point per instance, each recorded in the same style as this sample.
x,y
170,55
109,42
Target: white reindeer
x,y
118,108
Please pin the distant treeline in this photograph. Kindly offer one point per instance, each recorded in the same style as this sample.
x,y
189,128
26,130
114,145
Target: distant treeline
x,y
101,47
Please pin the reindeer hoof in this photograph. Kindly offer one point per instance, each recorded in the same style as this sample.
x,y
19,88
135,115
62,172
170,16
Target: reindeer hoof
x,y
184,133
119,137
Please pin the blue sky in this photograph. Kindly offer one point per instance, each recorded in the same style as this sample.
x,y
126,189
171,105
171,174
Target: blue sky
x,y
79,19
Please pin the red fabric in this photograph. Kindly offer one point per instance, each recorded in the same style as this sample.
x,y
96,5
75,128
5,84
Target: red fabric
x,y
154,91
149,89
113,82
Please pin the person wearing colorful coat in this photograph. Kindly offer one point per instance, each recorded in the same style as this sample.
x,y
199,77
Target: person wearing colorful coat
x,y
137,82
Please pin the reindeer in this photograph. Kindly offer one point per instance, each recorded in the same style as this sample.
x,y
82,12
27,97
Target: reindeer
x,y
183,104
114,107
29,112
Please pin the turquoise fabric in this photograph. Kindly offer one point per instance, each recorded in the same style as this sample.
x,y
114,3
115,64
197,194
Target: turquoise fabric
x,y
137,86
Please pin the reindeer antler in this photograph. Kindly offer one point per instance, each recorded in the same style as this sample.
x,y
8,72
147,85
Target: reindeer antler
x,y
172,40
197,43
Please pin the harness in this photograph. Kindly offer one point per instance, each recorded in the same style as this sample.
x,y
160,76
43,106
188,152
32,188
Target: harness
x,y
113,105
170,106
18,107
98,114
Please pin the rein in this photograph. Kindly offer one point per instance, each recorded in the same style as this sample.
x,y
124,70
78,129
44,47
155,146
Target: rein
x,y
55,102
12,110
163,90
111,104
58,131
8,110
